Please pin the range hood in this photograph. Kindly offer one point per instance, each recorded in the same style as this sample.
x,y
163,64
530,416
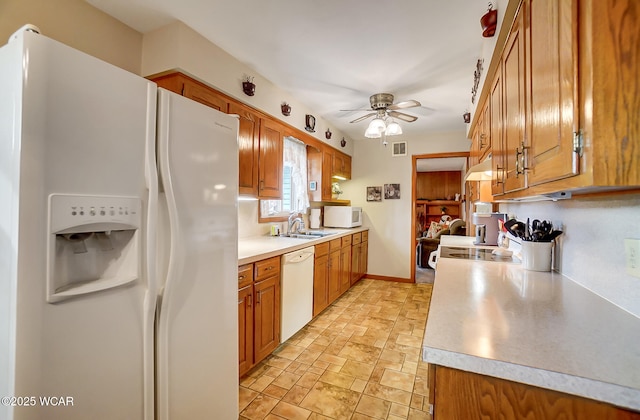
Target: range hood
x,y
480,172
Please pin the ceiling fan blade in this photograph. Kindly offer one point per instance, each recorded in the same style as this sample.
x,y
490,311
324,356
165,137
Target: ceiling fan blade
x,y
364,117
354,110
405,104
402,116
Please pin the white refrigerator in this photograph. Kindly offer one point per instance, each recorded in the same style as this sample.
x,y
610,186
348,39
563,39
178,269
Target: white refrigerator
x,y
117,274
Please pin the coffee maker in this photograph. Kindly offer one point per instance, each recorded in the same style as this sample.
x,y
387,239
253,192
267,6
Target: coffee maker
x,y
487,228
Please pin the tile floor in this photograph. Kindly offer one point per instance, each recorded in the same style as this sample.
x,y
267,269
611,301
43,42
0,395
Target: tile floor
x,y
359,359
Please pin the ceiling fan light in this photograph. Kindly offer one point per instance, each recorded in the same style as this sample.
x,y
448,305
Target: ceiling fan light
x,y
393,129
373,133
377,124
375,128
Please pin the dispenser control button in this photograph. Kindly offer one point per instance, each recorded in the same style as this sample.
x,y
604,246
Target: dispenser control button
x,y
102,212
73,212
92,212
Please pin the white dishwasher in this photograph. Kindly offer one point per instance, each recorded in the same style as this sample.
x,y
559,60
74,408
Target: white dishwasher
x,y
297,291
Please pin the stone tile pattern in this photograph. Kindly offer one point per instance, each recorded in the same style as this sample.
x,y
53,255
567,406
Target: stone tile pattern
x,y
359,359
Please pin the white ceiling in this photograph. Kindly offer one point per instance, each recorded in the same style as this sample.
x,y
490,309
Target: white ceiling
x,y
334,54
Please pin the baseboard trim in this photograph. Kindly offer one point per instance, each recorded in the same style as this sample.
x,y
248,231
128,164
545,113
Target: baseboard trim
x,y
388,278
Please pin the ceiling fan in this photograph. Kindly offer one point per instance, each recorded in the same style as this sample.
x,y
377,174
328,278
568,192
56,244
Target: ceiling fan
x,y
382,104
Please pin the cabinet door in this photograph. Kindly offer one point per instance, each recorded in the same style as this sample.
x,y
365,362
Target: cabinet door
x,y
345,268
327,168
364,257
356,251
270,159
245,328
334,275
320,284
513,92
266,317
484,138
553,112
248,150
204,95
495,131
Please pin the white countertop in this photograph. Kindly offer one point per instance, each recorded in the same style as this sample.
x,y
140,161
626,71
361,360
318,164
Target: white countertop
x,y
257,248
537,328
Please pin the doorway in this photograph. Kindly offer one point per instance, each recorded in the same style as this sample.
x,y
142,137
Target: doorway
x,y
434,162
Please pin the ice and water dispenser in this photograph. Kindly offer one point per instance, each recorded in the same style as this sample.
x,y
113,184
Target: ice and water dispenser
x,y
94,244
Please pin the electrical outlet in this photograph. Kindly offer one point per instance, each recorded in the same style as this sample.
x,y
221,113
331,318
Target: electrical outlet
x,y
632,251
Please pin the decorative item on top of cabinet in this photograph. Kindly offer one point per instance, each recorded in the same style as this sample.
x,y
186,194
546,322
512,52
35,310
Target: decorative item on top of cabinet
x,y
286,109
489,21
466,117
248,87
327,134
343,142
310,123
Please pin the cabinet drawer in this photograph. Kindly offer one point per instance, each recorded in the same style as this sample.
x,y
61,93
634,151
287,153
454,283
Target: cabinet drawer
x,y
357,238
322,249
365,236
245,275
346,241
267,268
335,244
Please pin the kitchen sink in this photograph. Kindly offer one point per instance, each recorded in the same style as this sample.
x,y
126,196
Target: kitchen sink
x,y
310,234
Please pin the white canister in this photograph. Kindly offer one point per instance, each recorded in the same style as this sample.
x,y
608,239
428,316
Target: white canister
x,y
314,219
536,256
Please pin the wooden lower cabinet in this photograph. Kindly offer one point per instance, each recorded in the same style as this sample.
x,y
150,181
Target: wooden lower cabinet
x,y
359,256
339,263
345,264
456,394
335,275
245,328
258,311
321,278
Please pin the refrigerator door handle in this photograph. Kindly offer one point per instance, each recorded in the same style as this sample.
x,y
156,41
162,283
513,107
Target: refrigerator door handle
x,y
150,240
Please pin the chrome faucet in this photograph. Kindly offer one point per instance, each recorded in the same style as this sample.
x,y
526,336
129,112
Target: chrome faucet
x,y
292,221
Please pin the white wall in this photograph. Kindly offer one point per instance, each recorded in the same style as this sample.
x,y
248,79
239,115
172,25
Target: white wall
x,y
591,249
78,24
177,46
389,221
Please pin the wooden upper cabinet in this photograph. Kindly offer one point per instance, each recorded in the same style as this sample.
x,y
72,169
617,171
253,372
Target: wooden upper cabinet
x,y
205,95
248,150
495,130
609,69
270,159
513,92
341,165
553,109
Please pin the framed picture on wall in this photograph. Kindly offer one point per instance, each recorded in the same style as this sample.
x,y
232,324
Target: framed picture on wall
x,y
391,191
374,193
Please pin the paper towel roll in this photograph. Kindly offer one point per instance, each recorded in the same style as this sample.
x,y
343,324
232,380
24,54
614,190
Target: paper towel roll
x,y
314,219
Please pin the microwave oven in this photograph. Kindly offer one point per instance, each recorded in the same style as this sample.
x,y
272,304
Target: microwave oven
x,y
342,216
